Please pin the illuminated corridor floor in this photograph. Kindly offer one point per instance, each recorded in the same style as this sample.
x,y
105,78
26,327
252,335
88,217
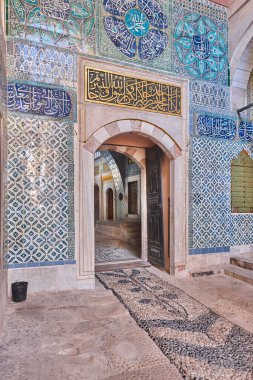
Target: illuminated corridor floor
x,y
110,249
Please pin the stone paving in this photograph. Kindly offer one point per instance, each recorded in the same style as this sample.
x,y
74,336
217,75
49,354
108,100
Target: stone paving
x,y
180,332
201,343
109,249
78,335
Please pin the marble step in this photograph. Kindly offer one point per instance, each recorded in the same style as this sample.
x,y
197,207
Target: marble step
x,y
239,273
242,261
136,242
129,264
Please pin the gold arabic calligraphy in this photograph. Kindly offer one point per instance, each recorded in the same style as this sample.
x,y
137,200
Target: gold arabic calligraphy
x,y
119,90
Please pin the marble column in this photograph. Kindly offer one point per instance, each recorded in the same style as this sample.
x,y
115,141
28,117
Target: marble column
x,y
86,257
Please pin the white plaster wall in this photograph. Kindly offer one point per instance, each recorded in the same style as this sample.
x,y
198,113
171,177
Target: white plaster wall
x,y
50,279
205,261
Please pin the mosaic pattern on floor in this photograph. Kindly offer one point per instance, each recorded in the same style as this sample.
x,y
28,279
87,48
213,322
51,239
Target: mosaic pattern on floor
x,y
110,249
199,342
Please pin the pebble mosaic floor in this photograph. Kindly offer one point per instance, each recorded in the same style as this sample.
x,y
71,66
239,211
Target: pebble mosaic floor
x,y
109,249
200,343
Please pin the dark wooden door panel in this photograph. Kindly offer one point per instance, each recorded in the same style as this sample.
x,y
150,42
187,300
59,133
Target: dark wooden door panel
x,y
154,206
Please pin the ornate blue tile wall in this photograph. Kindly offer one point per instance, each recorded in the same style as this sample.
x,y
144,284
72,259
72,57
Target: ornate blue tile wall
x,y
41,114
39,190
185,38
211,222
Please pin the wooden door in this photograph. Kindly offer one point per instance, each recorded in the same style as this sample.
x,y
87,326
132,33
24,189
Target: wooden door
x,y
96,202
110,204
154,206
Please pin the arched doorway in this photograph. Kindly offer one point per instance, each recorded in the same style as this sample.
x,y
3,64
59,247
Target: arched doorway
x,y
118,232
170,133
109,203
96,202
176,165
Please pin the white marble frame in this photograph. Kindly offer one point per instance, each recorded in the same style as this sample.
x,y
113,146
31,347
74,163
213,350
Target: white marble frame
x,y
99,122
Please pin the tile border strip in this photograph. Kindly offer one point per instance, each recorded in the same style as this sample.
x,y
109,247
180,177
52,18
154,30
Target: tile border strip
x,y
200,251
40,264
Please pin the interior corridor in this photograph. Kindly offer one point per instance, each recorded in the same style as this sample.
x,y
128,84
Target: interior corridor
x,y
110,249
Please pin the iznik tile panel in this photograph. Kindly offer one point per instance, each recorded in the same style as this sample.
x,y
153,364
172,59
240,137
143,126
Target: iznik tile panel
x,y
135,31
65,23
246,131
29,61
211,96
212,223
38,100
39,190
186,38
200,41
215,126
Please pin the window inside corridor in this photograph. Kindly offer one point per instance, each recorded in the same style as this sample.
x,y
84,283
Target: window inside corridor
x,y
133,198
242,184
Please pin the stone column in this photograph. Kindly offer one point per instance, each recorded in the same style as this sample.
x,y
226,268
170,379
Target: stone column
x,y
179,215
144,231
86,257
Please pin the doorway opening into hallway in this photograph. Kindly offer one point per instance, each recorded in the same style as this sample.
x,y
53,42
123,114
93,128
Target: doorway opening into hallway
x,y
117,207
131,201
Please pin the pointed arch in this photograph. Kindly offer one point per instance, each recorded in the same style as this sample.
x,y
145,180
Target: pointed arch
x,y
153,132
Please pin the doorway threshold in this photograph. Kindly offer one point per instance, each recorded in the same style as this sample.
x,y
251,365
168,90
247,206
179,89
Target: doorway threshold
x,y
126,264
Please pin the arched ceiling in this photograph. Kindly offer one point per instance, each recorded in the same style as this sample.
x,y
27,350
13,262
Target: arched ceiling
x,y
240,21
244,68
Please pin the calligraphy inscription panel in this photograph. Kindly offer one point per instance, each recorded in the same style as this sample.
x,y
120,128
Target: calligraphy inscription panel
x,y
38,100
246,131
123,91
216,127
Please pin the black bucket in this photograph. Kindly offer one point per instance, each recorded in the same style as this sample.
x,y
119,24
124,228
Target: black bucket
x,y
19,291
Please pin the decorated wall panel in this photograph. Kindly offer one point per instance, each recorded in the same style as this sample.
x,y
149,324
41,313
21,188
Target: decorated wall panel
x,y
64,23
40,190
29,61
210,96
211,222
137,93
135,31
37,99
200,40
242,184
215,126
186,38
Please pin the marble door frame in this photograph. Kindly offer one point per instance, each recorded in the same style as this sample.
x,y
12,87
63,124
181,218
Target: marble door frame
x,y
99,122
